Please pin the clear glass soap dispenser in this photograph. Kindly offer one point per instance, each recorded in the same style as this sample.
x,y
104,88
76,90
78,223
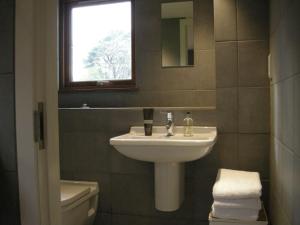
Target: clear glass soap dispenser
x,y
188,125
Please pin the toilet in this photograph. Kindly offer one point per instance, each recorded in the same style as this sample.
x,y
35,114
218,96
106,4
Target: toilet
x,y
79,202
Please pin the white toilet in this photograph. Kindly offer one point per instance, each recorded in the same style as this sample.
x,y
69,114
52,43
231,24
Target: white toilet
x,y
79,202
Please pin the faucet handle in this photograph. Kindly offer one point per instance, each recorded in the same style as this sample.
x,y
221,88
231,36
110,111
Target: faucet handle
x,y
169,116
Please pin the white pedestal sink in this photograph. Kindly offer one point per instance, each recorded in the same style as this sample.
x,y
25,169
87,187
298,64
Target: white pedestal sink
x,y
168,154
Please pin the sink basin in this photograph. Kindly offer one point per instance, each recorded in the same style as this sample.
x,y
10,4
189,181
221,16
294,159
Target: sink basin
x,y
168,154
160,148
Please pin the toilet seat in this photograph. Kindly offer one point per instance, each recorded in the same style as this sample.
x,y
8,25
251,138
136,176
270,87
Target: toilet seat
x,y
71,192
79,202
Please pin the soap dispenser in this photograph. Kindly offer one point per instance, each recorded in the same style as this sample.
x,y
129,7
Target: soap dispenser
x,y
188,125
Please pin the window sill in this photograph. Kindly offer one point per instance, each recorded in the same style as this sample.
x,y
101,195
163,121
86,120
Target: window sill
x,y
97,89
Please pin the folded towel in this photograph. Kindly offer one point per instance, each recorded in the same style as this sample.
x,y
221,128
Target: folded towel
x,y
234,184
251,203
235,214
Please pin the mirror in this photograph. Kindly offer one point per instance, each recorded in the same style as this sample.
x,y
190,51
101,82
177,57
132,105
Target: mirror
x,y
177,35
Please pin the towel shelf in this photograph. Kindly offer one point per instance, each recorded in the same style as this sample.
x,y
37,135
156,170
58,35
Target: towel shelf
x,y
262,220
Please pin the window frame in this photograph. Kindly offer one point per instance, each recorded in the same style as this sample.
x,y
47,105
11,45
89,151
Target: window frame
x,y
65,76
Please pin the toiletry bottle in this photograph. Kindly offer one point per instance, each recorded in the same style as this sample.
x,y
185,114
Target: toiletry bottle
x,y
188,125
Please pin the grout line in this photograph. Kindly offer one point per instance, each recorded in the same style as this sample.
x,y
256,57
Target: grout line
x,y
162,216
289,149
245,40
7,74
238,89
140,108
286,78
220,88
256,133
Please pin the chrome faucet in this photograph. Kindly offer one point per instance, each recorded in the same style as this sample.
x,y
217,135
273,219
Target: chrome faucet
x,y
170,124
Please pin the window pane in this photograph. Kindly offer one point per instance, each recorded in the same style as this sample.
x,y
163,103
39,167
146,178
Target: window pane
x,y
101,42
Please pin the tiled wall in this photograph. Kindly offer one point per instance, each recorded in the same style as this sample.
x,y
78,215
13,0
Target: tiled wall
x,y
242,117
157,86
9,202
285,93
241,29
126,185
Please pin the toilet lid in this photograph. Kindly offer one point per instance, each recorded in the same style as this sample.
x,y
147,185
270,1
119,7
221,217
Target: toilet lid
x,y
70,193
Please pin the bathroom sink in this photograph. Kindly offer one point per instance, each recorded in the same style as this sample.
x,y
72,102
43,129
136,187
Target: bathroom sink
x,y
168,155
160,148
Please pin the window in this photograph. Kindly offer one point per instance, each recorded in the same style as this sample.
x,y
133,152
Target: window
x,y
97,45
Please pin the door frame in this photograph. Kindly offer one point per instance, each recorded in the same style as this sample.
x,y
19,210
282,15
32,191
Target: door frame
x,y
36,80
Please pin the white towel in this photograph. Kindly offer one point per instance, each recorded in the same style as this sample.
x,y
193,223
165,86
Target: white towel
x,y
235,214
251,203
234,184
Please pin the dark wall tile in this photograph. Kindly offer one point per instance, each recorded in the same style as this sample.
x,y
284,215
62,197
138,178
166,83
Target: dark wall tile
x,y
285,120
147,23
83,151
124,165
225,20
252,19
275,158
253,153
170,221
81,120
155,78
227,146
289,34
286,174
6,3
121,219
203,198
266,195
7,52
66,148
296,119
65,175
226,64
277,215
9,209
254,110
227,110
133,194
285,6
7,124
104,182
274,15
182,98
7,18
296,190
204,168
253,63
204,24
103,219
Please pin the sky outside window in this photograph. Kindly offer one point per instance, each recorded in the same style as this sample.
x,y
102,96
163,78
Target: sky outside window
x,y
101,42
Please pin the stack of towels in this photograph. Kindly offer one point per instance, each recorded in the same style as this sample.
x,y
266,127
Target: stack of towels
x,y
237,195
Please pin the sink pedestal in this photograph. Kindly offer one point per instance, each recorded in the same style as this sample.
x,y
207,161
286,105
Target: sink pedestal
x,y
168,155
169,186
